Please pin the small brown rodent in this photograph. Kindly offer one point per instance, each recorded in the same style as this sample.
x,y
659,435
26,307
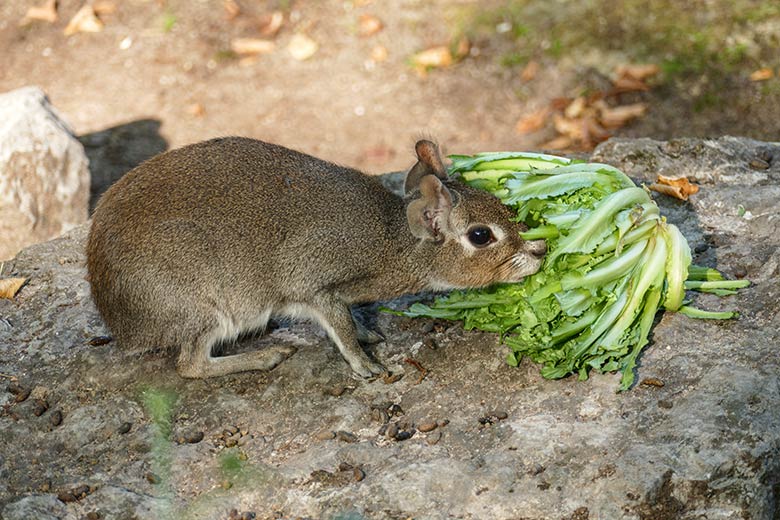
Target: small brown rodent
x,y
202,243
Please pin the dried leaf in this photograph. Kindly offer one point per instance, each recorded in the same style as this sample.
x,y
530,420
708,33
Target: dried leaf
x,y
628,84
252,46
637,71
368,25
271,23
575,108
196,110
301,47
433,57
762,74
44,13
232,9
10,286
104,7
572,128
685,186
672,191
85,20
461,48
530,71
561,142
533,121
615,117
379,53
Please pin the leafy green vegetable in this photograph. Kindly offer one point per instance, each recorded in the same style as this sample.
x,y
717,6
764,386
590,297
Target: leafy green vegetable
x,y
613,262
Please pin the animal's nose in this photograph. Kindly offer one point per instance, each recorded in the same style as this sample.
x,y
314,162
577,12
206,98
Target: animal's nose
x,y
537,248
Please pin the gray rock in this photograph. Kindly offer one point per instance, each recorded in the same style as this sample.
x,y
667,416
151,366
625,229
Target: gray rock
x,y
705,444
40,507
44,178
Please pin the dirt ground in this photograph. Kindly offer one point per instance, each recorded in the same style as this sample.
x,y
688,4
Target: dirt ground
x,y
162,74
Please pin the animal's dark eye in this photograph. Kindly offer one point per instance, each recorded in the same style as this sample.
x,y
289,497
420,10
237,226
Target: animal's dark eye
x,y
481,236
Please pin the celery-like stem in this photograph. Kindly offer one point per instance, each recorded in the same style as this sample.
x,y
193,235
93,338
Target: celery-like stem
x,y
693,312
540,232
716,284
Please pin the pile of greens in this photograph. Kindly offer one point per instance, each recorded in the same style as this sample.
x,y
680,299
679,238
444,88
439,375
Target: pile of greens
x,y
613,262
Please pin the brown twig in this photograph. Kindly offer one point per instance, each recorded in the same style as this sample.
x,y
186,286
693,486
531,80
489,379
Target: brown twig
x,y
418,366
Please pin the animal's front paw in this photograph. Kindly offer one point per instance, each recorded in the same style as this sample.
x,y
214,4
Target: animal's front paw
x,y
366,368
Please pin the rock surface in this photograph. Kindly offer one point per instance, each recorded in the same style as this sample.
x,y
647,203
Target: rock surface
x,y
44,175
308,440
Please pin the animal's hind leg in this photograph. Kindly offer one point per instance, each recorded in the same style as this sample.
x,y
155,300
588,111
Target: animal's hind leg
x,y
196,361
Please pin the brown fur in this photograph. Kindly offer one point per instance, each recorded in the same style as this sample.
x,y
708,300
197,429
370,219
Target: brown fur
x,y
204,242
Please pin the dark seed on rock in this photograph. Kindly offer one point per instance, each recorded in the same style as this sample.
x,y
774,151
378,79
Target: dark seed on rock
x,y
325,435
430,343
382,429
124,428
22,395
336,391
395,410
740,272
484,420
100,340
652,381
66,496
391,431
403,435
427,426
427,327
93,515
152,478
81,491
13,388
346,436
434,438
55,418
345,466
40,407
358,474
700,248
247,515
759,164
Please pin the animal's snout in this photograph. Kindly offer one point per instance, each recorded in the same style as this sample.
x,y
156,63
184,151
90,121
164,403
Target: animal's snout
x,y
536,247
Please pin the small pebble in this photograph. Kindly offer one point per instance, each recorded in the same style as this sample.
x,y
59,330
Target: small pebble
x,y
379,415
430,343
230,442
230,430
536,469
663,403
100,340
427,327
93,515
700,248
427,426
652,381
124,428
13,388
740,272
226,484
81,491
391,431
500,415
152,478
443,423
247,515
45,487
433,438
346,436
358,474
325,435
345,466
40,407
55,418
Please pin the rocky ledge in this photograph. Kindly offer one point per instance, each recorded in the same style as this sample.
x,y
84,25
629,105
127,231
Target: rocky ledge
x,y
93,431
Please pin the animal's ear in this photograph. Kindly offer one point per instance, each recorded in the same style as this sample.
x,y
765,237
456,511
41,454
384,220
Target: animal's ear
x,y
429,215
428,163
